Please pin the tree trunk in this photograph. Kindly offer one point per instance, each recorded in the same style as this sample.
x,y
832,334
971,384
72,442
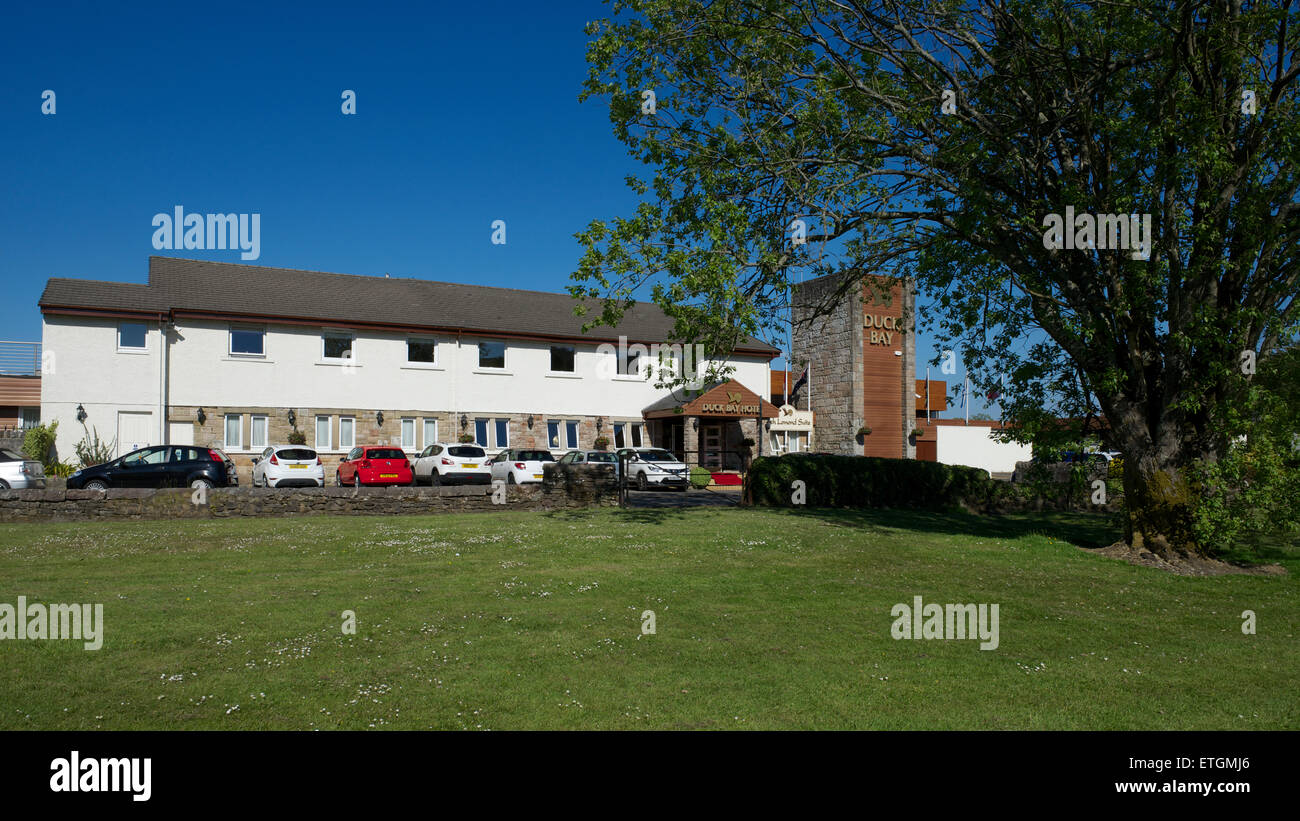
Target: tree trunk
x,y
1158,502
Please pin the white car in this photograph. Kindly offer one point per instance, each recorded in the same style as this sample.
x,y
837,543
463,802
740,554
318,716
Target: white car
x,y
288,466
444,464
647,467
518,466
17,472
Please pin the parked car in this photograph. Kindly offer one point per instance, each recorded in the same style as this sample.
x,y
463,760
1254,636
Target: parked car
x,y
374,465
655,466
516,466
444,464
17,472
601,459
160,466
288,466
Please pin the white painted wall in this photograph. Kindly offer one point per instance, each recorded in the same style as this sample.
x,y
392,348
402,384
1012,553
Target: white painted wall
x,y
974,446
89,370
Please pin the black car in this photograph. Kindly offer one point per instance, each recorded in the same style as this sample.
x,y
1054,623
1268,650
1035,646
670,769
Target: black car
x,y
160,466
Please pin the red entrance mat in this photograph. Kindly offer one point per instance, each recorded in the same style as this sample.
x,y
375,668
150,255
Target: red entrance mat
x,y
727,479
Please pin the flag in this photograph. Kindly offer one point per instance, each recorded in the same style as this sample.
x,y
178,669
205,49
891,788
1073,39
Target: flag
x,y
798,383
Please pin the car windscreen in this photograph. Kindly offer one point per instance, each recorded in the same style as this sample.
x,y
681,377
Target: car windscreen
x,y
296,454
656,456
536,456
385,453
7,455
467,452
601,456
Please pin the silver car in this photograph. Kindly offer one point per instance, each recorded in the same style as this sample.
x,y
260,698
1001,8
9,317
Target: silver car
x,y
17,472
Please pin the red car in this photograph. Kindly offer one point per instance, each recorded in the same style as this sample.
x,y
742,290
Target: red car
x,y
373,465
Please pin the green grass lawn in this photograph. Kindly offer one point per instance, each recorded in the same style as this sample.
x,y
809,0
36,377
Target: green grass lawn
x,y
765,619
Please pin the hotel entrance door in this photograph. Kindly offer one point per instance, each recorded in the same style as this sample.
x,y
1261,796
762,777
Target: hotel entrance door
x,y
711,446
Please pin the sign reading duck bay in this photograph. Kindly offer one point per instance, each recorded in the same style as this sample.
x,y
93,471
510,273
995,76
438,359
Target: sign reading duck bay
x,y
735,405
888,326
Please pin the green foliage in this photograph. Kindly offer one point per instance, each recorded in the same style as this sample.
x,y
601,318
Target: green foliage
x,y
700,477
297,437
868,481
57,468
92,450
38,443
465,438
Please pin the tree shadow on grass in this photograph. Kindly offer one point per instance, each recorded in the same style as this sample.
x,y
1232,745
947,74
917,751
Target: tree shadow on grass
x,y
1089,530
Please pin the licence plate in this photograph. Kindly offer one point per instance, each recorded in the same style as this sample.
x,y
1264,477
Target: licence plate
x,y
468,465
298,467
388,476
537,475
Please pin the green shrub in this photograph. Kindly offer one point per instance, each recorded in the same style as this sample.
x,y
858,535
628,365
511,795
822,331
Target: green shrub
x,y
700,477
297,437
38,443
92,450
868,481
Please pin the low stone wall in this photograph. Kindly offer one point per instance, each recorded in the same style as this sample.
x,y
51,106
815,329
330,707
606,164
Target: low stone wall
x,y
558,492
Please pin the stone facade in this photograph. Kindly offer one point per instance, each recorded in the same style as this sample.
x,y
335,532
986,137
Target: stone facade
x,y
862,349
368,431
560,491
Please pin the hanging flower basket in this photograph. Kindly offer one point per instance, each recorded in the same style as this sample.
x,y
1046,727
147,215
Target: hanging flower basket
x,y
864,431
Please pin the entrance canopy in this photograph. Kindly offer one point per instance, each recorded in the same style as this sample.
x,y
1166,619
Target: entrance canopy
x,y
728,399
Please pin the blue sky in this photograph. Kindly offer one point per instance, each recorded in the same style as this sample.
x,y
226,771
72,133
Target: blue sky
x,y
465,115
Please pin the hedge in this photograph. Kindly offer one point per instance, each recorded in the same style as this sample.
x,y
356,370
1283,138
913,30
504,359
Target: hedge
x,y
869,481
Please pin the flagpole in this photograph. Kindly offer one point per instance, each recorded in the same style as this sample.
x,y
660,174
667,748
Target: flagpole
x,y
966,397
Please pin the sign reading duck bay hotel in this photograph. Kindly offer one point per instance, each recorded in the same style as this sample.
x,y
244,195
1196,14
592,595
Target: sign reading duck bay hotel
x,y
735,405
882,329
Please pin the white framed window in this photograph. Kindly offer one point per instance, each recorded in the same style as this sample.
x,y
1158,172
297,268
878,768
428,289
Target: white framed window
x,y
562,359
571,434
502,430
234,432
408,434
636,437
430,431
247,341
552,433
492,355
481,433
422,351
323,439
620,440
30,417
629,360
257,433
336,346
347,432
132,336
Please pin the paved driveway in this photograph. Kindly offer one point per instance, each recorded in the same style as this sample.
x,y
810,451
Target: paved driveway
x,y
712,497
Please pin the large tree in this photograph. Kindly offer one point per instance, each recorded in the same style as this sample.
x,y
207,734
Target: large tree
x,y
932,139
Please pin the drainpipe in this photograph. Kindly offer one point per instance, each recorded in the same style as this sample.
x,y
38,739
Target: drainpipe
x,y
162,379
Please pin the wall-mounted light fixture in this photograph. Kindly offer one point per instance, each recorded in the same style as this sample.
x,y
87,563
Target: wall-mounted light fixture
x,y
379,418
201,416
81,413
530,421
464,421
600,423
293,419
695,422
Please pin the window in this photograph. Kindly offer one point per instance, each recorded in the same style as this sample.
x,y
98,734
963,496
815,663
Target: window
x,y
347,432
562,358
234,431
421,350
131,336
323,440
257,435
552,434
571,434
481,432
628,436
636,436
247,342
149,456
430,431
408,434
503,433
336,346
629,360
492,355
618,435
31,417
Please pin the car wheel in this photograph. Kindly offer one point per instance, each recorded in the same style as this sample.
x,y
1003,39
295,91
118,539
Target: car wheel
x,y
435,479
96,484
510,478
201,483
641,483
4,485
338,480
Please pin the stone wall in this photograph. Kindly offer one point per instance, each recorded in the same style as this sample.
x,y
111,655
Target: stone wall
x,y
12,439
832,342
560,491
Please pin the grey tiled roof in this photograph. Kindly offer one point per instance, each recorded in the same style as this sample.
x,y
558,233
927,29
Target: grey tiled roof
x,y
284,293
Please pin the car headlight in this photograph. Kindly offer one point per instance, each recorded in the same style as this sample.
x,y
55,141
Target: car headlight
x,y
654,469
76,473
